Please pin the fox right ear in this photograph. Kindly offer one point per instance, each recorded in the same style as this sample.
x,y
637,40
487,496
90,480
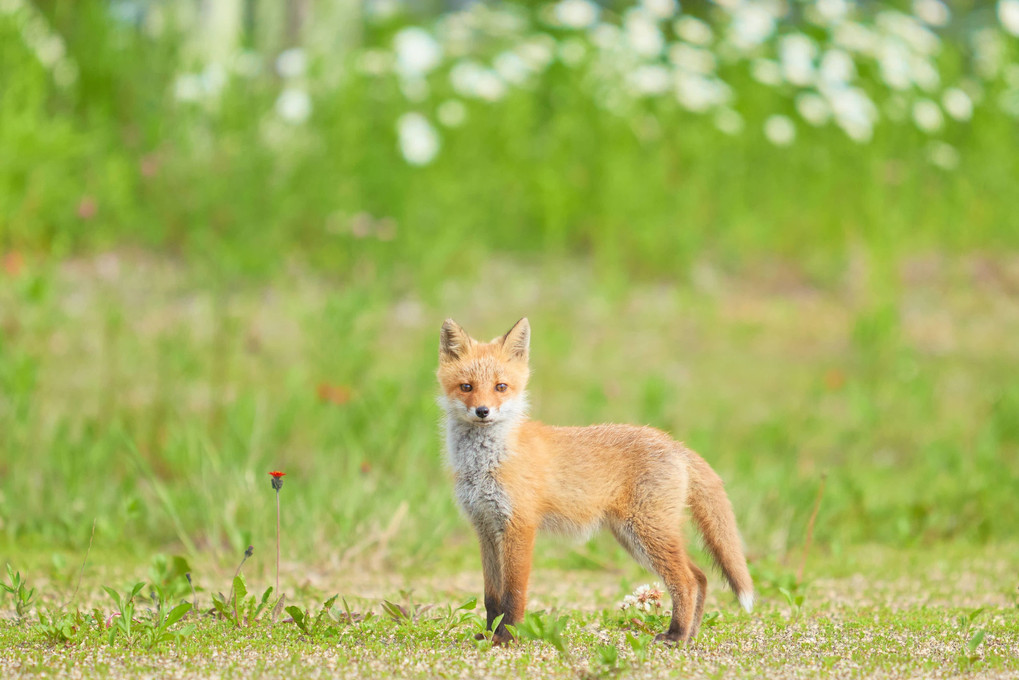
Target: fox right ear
x,y
453,340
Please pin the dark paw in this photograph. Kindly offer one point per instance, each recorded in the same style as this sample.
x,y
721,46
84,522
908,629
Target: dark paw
x,y
479,636
501,639
671,639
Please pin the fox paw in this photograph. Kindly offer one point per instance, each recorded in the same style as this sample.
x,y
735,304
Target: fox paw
x,y
501,639
671,639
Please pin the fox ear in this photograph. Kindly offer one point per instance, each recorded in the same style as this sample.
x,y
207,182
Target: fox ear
x,y
453,340
518,340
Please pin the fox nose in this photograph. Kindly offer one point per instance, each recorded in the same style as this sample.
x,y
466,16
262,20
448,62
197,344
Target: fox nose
x,y
482,411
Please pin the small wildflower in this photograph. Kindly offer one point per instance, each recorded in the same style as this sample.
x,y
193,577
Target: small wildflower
x,y
277,483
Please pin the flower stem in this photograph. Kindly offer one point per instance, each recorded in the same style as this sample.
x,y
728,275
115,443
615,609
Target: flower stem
x,y
277,542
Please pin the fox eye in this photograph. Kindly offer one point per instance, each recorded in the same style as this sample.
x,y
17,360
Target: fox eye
x,y
466,387
501,387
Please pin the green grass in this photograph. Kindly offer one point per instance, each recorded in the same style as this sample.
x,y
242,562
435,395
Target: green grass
x,y
156,407
956,615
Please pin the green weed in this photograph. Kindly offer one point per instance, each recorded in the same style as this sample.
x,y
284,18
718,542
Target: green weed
x,y
18,589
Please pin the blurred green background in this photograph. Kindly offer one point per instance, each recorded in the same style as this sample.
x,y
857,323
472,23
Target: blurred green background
x,y
786,232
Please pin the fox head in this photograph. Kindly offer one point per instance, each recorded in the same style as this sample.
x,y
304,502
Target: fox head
x,y
484,383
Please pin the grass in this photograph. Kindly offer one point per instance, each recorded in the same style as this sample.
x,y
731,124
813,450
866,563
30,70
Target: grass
x,y
121,375
958,615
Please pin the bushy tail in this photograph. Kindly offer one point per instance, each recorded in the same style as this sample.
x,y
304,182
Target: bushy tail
x,y
712,511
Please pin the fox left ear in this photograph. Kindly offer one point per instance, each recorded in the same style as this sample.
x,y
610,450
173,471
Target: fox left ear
x,y
518,340
453,340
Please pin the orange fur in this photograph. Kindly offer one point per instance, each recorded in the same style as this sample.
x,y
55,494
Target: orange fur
x,y
515,476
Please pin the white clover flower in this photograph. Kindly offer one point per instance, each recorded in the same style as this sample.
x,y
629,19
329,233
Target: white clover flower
x,y
470,79
691,58
381,9
572,52
932,12
643,34
918,37
293,105
698,93
417,52
796,54
50,50
660,9
511,68
188,87
606,36
779,130
291,63
855,38
924,73
452,113
894,65
854,112
729,121
1008,15
693,30
832,10
649,79
836,68
576,13
419,142
943,155
927,116
752,24
538,52
813,108
766,72
214,77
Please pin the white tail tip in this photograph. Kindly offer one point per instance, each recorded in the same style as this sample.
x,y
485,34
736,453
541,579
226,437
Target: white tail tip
x,y
746,600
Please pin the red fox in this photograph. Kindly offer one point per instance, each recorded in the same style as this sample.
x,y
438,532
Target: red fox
x,y
515,476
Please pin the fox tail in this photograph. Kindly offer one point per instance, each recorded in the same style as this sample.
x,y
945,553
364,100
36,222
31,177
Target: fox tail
x,y
713,514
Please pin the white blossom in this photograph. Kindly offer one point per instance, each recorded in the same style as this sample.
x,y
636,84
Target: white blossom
x,y
419,142
291,63
642,33
813,108
689,58
576,13
779,130
797,53
649,79
729,121
752,24
932,12
660,9
293,105
1008,15
927,115
693,30
417,52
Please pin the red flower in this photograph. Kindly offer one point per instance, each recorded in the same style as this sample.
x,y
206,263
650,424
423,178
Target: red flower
x,y
277,479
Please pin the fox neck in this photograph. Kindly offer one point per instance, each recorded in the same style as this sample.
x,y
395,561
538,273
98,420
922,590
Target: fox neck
x,y
475,453
475,448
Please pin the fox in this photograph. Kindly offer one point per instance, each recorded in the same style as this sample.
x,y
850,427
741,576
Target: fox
x,y
514,477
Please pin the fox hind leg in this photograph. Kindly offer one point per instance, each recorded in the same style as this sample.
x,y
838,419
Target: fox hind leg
x,y
662,550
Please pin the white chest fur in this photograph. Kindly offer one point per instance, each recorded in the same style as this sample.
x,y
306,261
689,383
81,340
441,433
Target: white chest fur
x,y
475,454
